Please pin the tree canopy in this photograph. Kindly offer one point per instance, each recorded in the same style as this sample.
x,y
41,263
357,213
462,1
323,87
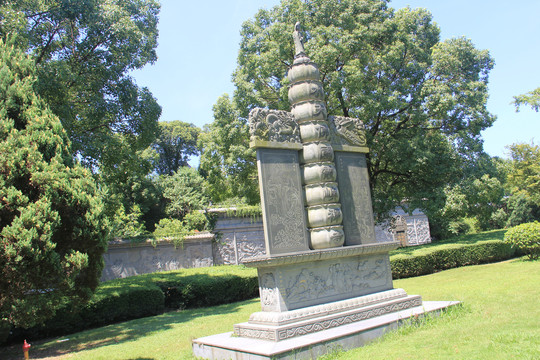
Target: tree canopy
x,y
226,160
52,226
524,174
532,98
422,100
176,143
83,51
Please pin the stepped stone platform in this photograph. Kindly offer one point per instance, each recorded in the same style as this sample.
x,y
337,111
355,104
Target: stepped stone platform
x,y
311,345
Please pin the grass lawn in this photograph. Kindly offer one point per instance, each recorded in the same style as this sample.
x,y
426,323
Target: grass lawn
x,y
499,319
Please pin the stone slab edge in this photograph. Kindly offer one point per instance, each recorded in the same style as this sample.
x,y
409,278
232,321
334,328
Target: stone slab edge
x,y
228,346
325,322
325,254
287,317
256,143
204,236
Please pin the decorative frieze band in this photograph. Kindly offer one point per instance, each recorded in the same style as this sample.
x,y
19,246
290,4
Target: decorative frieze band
x,y
321,323
324,254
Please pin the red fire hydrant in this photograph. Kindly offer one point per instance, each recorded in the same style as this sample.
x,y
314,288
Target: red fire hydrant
x,y
26,347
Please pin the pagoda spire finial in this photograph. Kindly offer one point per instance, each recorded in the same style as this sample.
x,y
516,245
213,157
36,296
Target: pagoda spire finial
x,y
298,40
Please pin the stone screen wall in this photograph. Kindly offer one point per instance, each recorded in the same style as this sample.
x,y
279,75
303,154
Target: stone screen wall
x,y
237,239
125,258
234,240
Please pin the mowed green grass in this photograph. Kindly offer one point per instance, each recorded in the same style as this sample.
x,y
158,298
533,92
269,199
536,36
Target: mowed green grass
x,y
499,319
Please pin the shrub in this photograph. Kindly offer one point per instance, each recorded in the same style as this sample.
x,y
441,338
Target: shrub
x,y
169,228
210,286
525,238
522,209
196,220
114,301
452,256
463,226
53,230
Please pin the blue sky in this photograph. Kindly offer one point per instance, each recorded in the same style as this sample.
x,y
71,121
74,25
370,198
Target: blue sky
x,y
198,46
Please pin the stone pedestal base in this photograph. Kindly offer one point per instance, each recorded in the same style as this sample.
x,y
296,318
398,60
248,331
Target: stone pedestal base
x,y
313,344
279,326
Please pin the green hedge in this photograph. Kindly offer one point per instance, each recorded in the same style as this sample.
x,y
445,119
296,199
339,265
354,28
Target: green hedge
x,y
148,295
449,256
114,301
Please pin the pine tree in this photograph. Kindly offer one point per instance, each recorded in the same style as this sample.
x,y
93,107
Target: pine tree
x,y
52,228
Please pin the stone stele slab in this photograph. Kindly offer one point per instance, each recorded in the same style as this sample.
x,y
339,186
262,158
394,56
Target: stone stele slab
x,y
285,227
353,181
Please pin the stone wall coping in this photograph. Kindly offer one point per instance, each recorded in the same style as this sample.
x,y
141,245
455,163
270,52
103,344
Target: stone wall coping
x,y
204,236
224,210
254,226
324,254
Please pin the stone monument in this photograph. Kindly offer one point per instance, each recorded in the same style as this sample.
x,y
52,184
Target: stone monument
x,y
324,281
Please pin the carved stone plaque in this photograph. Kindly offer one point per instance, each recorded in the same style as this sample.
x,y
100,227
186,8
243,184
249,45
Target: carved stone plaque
x,y
285,227
356,207
293,287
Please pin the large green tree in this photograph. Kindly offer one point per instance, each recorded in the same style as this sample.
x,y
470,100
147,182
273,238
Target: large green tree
x,y
176,143
422,100
83,51
183,192
524,173
52,227
226,160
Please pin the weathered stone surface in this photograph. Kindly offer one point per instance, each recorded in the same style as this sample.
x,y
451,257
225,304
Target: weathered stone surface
x,y
303,72
295,286
314,131
322,254
306,91
417,228
285,225
317,152
327,237
317,194
309,111
318,173
347,131
302,314
239,239
353,181
310,291
316,322
124,259
273,128
324,215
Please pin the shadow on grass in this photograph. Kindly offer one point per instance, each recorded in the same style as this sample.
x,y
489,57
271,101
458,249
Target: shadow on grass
x,y
114,334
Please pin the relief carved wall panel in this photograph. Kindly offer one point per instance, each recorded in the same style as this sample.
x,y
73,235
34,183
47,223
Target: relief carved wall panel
x,y
324,281
282,201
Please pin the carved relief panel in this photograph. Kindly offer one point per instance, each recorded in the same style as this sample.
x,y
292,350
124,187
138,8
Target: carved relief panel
x,y
297,286
282,201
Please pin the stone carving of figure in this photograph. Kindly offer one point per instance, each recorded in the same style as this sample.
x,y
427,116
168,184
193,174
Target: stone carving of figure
x,y
298,40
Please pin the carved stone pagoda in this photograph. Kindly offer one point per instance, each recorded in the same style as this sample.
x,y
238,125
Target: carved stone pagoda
x,y
324,281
